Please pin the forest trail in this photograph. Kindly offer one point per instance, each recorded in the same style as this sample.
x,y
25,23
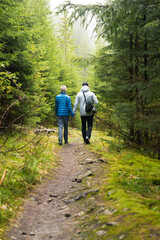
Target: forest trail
x,y
53,210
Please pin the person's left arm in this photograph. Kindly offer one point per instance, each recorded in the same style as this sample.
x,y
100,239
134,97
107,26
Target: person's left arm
x,y
94,98
56,105
95,102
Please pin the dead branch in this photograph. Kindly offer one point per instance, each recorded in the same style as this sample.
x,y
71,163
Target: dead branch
x,y
1,146
17,149
22,116
43,148
8,110
3,176
11,105
45,130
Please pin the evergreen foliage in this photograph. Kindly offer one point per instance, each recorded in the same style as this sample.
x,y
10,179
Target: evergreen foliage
x,y
29,62
128,68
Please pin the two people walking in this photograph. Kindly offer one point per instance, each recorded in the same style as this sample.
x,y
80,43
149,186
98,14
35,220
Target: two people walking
x,y
64,109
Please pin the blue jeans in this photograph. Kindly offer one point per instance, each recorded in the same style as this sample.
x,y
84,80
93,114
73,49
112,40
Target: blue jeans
x,y
62,121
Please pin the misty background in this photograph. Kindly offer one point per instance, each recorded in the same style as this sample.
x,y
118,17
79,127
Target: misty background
x,y
84,38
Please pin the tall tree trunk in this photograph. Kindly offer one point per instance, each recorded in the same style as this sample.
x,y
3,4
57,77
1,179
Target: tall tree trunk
x,y
138,137
145,54
136,53
145,74
159,148
131,81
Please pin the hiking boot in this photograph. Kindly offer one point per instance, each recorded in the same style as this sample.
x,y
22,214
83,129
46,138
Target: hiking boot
x,y
87,140
60,143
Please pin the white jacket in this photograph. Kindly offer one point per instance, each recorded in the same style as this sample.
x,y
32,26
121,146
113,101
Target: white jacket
x,y
90,96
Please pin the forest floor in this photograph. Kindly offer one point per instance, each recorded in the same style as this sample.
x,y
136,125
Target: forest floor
x,y
79,201
53,209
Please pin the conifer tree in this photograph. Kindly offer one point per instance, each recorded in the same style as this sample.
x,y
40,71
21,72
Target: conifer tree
x,y
29,62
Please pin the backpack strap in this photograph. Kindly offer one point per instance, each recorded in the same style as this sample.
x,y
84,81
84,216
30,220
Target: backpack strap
x,y
84,97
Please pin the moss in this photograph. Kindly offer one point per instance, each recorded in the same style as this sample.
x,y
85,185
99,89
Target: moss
x,y
130,184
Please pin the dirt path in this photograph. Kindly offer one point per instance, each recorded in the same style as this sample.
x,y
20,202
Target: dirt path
x,y
48,214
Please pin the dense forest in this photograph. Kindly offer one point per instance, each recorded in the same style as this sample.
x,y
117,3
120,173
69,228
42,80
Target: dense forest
x,y
38,54
35,59
127,68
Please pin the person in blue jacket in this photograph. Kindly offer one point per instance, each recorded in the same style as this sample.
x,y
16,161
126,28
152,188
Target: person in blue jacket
x,y
63,109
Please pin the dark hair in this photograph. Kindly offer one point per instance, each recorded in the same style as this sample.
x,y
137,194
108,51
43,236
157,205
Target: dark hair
x,y
85,84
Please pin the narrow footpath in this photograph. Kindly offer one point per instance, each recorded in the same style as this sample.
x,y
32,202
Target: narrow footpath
x,y
53,210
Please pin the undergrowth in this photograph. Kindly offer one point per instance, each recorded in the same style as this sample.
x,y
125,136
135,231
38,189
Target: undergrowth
x,y
27,157
131,186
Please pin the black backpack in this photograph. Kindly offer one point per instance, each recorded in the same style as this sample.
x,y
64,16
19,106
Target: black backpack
x,y
89,105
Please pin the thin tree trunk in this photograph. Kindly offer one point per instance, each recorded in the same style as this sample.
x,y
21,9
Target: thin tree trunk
x,y
131,81
138,137
145,74
159,148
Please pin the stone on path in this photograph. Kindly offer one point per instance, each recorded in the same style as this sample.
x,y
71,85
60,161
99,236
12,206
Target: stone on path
x,y
109,212
87,174
80,214
32,234
67,215
112,223
53,195
122,236
101,233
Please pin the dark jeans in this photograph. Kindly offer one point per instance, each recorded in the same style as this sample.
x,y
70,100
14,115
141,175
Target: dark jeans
x,y
62,122
89,121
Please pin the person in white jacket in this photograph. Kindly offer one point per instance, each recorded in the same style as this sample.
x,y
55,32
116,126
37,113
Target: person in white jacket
x,y
86,118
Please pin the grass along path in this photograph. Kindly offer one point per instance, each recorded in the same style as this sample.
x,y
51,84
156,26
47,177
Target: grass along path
x,y
25,167
130,187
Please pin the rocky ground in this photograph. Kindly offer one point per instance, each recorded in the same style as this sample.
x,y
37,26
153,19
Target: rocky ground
x,y
58,207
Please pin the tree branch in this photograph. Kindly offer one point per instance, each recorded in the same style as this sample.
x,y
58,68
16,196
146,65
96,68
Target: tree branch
x,y
3,176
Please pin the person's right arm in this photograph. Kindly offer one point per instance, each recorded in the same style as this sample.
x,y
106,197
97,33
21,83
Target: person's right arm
x,y
76,104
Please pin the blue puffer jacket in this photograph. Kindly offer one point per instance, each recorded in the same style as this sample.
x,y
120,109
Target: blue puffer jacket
x,y
63,105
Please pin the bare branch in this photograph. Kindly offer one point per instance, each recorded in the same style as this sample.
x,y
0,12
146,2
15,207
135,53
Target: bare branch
x,y
22,115
3,176
17,149
11,105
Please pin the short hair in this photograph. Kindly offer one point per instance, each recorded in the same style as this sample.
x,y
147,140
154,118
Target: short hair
x,y
85,84
63,88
